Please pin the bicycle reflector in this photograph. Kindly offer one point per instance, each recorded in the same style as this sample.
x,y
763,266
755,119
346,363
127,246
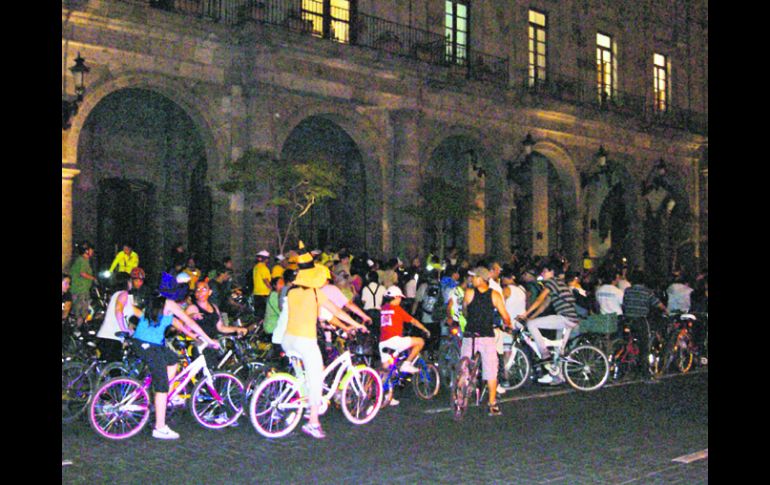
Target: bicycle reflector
x,y
455,330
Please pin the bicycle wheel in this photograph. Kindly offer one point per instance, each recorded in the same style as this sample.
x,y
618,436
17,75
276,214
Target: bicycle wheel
x,y
586,368
516,369
684,355
119,408
461,390
449,355
277,406
76,389
427,381
655,359
362,396
216,402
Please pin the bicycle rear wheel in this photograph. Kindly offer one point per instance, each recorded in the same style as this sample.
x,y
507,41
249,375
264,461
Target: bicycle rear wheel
x,y
76,389
462,388
516,369
684,354
427,381
119,408
277,406
216,402
586,368
362,396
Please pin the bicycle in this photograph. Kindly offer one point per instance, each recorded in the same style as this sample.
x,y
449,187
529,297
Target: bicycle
x,y
583,366
121,407
449,355
278,403
426,382
680,346
466,381
78,382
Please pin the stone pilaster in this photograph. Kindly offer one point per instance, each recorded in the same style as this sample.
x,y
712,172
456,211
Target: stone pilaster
x,y
67,174
406,154
539,206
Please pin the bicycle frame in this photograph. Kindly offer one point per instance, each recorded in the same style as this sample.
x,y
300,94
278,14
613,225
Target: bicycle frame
x,y
342,364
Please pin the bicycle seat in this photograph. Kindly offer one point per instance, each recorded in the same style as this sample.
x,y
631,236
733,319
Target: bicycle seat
x,y
123,335
688,316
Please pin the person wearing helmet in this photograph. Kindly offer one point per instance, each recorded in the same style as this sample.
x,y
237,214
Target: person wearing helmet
x,y
119,310
392,320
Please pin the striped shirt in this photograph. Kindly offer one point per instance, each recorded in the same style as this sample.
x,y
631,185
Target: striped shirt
x,y
562,299
637,301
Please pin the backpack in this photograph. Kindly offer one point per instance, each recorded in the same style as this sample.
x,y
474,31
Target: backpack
x,y
432,298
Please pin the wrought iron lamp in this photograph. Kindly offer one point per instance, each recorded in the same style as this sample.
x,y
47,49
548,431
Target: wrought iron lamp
x,y
69,108
527,145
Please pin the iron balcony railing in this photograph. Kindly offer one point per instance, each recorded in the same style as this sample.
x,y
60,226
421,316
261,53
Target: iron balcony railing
x,y
363,30
585,93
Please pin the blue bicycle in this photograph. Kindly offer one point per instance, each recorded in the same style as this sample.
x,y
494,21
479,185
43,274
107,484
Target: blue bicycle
x,y
426,382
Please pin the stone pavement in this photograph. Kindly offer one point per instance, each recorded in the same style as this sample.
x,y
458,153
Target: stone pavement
x,y
621,434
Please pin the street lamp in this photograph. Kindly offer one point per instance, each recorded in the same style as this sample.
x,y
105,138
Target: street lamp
x,y
527,143
604,168
69,108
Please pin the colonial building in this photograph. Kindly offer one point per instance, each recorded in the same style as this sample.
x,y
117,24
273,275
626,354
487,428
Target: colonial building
x,y
584,123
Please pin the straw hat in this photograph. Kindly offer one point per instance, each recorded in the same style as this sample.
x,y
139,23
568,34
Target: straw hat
x,y
309,275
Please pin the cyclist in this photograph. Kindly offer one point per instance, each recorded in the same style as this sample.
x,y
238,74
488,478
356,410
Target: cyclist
x,y
261,281
304,305
125,260
608,295
119,310
208,317
479,305
156,314
638,299
392,320
82,279
556,293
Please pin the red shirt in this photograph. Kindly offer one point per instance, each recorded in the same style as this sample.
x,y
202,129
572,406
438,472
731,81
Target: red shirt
x,y
392,319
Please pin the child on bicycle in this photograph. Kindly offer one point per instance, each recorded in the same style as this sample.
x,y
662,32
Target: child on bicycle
x,y
156,314
392,320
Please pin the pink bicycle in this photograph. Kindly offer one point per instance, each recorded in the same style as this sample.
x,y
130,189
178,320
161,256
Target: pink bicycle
x,y
121,407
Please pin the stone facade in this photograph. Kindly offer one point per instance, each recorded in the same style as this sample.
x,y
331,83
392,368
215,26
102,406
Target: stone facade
x,y
249,85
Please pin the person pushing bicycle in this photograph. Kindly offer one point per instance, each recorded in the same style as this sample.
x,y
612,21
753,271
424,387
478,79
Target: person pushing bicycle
x,y
481,308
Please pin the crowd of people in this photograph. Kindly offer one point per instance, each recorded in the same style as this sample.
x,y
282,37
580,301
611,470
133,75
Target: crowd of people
x,y
405,306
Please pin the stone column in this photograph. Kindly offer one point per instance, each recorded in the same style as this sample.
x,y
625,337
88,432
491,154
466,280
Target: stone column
x,y
67,174
539,206
406,155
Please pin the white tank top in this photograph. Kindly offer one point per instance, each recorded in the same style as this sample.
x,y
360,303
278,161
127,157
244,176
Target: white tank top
x,y
516,303
110,324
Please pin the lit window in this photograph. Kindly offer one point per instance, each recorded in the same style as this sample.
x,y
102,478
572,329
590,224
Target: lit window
x,y
537,48
605,67
330,18
456,31
661,84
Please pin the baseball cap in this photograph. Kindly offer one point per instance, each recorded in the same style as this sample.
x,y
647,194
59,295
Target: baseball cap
x,y
481,272
264,254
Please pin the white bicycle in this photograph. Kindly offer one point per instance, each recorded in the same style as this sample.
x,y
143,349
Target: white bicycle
x,y
279,402
121,407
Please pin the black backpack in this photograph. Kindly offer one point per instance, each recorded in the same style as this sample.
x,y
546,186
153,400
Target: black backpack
x,y
432,298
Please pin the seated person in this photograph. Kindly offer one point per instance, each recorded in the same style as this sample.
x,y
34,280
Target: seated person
x,y
392,319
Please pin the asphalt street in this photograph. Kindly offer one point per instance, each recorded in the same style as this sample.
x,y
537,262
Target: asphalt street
x,y
621,434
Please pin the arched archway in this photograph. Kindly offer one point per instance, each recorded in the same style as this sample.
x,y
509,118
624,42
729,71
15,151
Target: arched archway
x,y
545,218
345,220
363,142
144,178
668,242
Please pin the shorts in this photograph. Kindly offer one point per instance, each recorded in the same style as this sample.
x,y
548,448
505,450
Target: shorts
x,y
399,344
157,358
488,350
80,304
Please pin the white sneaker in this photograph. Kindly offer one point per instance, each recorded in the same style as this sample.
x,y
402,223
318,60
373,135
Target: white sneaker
x,y
500,389
394,402
549,379
165,433
409,368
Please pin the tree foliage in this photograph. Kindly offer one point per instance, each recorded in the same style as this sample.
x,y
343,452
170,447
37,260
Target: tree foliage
x,y
440,202
293,186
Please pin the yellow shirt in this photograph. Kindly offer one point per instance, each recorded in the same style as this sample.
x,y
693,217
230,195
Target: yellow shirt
x,y
303,311
125,262
261,273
